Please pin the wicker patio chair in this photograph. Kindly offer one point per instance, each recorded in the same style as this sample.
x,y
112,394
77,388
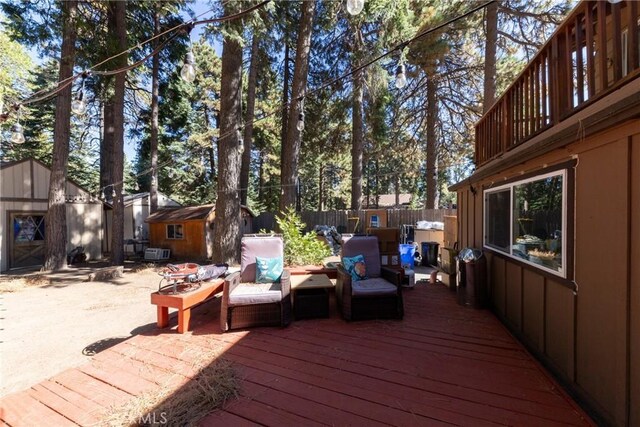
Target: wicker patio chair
x,y
246,303
379,296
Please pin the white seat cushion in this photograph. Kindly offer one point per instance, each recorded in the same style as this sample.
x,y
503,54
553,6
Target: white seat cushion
x,y
375,286
255,293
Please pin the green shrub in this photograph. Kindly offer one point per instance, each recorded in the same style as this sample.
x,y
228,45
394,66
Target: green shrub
x,y
299,248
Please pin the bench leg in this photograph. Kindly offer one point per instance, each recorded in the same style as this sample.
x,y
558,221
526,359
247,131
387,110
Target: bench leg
x,y
163,317
184,316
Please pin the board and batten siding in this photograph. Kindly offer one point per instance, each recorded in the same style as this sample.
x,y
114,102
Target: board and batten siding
x,y
24,187
587,331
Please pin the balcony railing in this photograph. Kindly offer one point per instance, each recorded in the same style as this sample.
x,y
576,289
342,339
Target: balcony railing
x,y
595,51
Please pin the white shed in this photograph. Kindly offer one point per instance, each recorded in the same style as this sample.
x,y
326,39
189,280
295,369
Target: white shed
x,y
24,192
136,211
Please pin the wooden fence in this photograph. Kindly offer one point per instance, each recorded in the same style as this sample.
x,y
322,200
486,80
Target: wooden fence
x,y
344,221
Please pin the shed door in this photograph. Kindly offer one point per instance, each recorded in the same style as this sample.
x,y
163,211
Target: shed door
x,y
27,239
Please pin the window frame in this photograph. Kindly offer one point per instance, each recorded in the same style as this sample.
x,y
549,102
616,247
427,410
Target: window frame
x,y
567,179
174,232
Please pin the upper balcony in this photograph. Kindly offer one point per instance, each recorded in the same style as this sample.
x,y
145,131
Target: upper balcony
x,y
594,52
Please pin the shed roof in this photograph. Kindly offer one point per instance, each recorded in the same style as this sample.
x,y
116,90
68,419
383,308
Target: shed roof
x,y
389,200
187,213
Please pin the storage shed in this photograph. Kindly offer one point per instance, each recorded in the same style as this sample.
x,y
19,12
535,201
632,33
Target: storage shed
x,y
24,193
136,211
554,204
188,231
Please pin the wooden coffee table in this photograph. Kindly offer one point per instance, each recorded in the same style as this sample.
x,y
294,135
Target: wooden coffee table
x,y
184,302
310,295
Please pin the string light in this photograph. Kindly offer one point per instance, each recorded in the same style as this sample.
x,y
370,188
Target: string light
x,y
17,132
240,140
300,125
188,72
401,76
79,105
354,7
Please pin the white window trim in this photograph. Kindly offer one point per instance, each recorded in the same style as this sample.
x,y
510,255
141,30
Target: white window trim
x,y
562,272
174,231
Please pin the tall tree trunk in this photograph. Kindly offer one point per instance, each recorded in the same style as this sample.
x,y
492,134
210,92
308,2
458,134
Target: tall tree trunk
x,y
248,129
368,188
106,144
431,201
291,148
226,237
357,144
261,192
56,220
285,89
396,187
491,43
155,83
117,238
320,187
210,150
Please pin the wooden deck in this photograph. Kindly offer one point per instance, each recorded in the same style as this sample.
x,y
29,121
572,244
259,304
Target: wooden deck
x,y
443,364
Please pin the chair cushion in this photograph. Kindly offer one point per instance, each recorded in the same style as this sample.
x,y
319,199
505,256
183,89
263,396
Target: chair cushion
x,y
268,270
255,293
356,267
366,246
262,246
371,287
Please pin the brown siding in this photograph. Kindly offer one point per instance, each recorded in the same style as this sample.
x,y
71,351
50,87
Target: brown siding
x,y
513,289
498,290
601,275
477,236
559,327
533,307
192,246
634,256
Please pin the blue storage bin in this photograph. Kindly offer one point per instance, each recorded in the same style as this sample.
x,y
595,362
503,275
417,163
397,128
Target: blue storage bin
x,y
406,255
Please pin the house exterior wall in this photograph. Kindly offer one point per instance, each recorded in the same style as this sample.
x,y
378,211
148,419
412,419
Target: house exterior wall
x,y
192,247
24,187
585,328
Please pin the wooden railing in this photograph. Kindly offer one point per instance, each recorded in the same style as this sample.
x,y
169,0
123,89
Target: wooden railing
x,y
595,51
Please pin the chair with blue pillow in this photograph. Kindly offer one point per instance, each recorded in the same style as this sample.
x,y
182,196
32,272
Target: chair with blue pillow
x,y
259,294
365,289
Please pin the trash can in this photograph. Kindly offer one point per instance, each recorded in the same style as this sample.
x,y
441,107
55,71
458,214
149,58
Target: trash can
x,y
430,254
461,294
406,255
472,276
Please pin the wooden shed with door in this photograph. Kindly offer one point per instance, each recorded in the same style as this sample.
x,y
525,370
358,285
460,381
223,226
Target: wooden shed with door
x,y
24,201
554,203
188,231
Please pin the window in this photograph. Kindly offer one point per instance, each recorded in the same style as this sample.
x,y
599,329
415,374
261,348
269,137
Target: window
x,y
527,220
174,231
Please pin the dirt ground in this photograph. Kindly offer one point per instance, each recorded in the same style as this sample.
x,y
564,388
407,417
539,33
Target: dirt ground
x,y
55,322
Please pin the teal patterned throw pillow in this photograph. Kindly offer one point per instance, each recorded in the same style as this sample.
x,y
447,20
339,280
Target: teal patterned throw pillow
x,y
356,267
268,270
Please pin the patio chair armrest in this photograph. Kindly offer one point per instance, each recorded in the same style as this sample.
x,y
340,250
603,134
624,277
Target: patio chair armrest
x,y
231,282
343,292
285,283
391,275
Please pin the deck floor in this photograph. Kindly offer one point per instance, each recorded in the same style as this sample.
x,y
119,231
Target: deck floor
x,y
443,364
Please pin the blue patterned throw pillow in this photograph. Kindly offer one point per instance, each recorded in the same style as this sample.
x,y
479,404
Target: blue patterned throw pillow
x,y
268,270
356,267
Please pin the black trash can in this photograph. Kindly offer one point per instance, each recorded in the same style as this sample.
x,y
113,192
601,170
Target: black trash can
x,y
430,254
472,272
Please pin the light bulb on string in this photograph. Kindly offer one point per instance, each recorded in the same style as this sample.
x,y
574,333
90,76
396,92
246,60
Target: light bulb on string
x,y
17,135
300,124
113,193
401,76
354,7
188,72
240,140
79,105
